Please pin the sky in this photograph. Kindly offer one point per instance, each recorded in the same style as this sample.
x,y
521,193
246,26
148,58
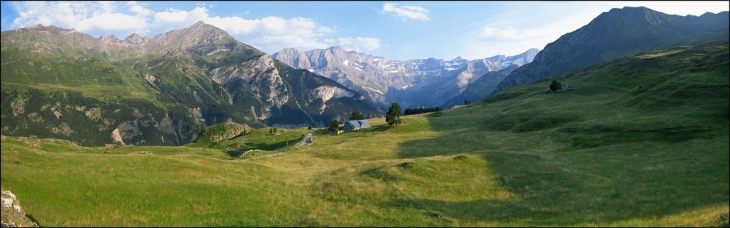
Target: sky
x,y
393,30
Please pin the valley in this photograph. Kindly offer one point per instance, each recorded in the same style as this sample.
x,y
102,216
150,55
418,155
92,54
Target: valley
x,y
633,144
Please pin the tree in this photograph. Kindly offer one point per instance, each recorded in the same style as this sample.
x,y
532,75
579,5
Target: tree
x,y
271,131
310,127
555,86
393,114
357,116
334,125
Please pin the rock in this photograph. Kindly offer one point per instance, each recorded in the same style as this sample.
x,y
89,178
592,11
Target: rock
x,y
12,213
567,88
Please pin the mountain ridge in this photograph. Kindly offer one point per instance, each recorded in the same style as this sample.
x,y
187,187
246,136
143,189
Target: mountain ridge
x,y
616,33
417,82
201,72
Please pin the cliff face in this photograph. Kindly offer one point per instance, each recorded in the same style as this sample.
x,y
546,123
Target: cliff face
x,y
171,85
427,82
619,32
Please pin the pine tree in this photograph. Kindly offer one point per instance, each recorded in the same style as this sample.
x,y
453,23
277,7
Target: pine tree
x,y
334,125
393,115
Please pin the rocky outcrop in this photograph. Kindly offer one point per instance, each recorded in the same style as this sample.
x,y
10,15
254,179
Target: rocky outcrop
x,y
328,92
229,131
12,213
260,75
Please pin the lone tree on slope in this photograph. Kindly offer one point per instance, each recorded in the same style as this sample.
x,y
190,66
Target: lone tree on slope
x,y
393,115
555,86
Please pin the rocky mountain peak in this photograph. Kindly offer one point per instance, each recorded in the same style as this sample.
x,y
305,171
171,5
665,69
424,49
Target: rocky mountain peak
x,y
294,57
134,38
336,49
201,26
109,38
618,17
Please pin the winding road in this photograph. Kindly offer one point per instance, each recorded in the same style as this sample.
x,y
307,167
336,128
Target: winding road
x,y
307,140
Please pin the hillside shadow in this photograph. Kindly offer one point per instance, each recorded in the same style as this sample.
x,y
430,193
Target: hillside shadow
x,y
544,193
234,153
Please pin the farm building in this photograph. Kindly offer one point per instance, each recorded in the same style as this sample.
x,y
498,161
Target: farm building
x,y
353,125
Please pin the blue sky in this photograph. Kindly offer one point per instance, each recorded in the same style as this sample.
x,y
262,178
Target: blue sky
x,y
393,30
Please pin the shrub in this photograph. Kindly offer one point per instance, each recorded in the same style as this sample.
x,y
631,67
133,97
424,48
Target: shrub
x,y
555,86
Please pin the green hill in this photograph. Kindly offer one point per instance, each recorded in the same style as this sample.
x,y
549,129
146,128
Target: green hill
x,y
639,141
618,33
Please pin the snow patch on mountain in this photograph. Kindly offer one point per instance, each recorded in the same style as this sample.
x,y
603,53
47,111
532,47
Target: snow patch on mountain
x,y
505,64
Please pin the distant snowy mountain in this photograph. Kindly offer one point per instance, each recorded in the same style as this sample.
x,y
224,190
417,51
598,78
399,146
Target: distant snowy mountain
x,y
420,82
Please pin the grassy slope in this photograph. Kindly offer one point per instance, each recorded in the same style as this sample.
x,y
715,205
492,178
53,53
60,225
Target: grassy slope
x,y
649,151
91,76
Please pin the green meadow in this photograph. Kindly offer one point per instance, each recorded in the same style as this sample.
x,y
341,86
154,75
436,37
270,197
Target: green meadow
x,y
639,141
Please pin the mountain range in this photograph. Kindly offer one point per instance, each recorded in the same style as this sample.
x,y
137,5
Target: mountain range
x,y
410,83
164,90
156,90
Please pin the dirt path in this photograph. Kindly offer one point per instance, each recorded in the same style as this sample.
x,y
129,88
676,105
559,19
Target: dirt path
x,y
307,140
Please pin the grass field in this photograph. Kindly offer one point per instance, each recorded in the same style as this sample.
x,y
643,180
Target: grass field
x,y
632,145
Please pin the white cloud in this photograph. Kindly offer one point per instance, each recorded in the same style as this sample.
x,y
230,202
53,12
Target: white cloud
x,y
275,33
512,32
270,34
406,12
178,19
359,44
87,17
111,22
276,43
139,10
502,33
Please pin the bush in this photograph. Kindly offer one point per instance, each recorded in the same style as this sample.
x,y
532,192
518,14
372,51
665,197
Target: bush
x,y
555,86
